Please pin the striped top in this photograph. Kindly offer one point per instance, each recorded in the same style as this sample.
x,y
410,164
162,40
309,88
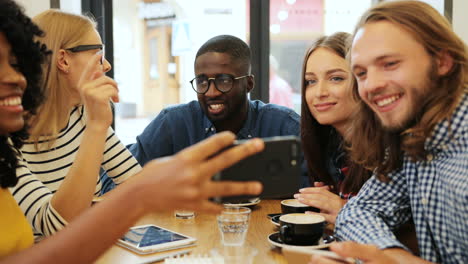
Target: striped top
x,y
50,166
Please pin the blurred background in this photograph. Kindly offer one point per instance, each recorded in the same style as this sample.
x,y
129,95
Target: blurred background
x,y
151,44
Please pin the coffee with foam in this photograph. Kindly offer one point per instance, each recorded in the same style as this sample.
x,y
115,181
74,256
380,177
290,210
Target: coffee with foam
x,y
293,202
302,218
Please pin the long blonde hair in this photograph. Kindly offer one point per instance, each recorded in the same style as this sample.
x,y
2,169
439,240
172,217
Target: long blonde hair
x,y
381,150
62,30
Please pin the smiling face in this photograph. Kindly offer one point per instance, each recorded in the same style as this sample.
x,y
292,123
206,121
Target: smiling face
x,y
328,88
394,72
218,106
12,86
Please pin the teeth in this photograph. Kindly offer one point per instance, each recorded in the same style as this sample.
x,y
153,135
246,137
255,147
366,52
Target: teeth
x,y
216,106
11,101
388,101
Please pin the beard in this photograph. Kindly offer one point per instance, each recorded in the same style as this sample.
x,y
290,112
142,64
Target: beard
x,y
422,96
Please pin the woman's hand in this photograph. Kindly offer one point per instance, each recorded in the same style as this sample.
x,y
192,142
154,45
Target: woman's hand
x,y
96,91
368,254
183,181
321,197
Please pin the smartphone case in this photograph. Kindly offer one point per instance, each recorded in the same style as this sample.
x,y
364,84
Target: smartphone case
x,y
277,167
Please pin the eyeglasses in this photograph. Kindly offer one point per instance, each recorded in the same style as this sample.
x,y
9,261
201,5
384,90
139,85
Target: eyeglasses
x,y
81,48
223,82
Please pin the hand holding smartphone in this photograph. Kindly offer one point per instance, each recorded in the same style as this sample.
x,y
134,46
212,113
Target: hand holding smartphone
x,y
277,167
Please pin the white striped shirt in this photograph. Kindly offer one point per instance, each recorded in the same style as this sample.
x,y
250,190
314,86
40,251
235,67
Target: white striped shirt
x,y
51,166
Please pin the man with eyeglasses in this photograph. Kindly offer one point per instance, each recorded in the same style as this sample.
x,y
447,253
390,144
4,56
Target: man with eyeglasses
x,y
222,82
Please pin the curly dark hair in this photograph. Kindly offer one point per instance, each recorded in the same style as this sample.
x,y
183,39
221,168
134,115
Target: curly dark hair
x,y
20,32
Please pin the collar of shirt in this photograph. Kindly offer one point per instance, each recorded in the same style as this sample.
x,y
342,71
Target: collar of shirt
x,y
246,130
448,129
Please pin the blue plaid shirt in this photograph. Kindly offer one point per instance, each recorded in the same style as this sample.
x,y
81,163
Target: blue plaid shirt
x,y
434,192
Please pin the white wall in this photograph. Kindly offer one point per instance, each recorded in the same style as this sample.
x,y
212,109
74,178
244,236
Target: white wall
x,y
460,19
205,26
343,15
72,6
34,7
128,57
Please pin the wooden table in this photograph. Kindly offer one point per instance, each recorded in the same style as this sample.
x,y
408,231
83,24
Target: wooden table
x,y
205,229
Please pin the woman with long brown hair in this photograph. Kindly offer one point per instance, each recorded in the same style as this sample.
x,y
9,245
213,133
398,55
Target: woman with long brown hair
x,y
326,110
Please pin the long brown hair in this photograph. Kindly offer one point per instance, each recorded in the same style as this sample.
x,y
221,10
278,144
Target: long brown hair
x,y
316,138
381,150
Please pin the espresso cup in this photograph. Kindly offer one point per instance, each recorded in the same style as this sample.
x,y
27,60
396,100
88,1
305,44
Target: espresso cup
x,y
291,206
301,229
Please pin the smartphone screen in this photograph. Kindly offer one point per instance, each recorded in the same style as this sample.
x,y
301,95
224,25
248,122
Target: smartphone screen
x,y
150,235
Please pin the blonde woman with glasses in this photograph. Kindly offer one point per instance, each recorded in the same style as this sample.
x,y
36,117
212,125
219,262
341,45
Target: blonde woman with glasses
x,y
70,136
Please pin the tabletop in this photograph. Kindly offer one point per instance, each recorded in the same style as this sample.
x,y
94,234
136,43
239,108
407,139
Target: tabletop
x,y
204,228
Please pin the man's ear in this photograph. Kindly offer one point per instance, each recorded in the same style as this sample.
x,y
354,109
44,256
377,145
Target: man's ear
x,y
250,83
62,61
444,62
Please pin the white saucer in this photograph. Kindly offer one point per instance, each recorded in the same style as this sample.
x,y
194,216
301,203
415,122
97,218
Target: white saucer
x,y
251,202
275,241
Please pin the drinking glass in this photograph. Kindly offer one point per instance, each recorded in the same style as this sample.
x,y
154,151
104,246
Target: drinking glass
x,y
233,223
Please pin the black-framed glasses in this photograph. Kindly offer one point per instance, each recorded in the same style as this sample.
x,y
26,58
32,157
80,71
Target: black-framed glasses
x,y
81,48
223,82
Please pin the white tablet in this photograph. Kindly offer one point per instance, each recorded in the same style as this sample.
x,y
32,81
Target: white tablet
x,y
150,238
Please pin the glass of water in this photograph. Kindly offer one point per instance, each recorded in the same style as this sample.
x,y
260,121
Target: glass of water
x,y
233,223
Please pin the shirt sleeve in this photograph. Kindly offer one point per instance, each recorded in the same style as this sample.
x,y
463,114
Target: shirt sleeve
x,y
34,198
155,141
375,212
118,162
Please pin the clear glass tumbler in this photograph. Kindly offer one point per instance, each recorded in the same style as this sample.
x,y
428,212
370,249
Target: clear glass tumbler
x,y
233,223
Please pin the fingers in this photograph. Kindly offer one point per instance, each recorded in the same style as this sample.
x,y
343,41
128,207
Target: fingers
x,y
322,204
229,157
103,89
91,68
208,147
230,188
208,207
323,189
330,218
315,259
355,250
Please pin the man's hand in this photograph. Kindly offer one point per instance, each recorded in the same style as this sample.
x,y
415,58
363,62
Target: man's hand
x,y
368,254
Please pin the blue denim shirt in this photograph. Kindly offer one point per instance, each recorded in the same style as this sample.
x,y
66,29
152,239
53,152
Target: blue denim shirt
x,y
180,126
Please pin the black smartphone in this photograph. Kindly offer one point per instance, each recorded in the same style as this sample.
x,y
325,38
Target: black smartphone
x,y
277,167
